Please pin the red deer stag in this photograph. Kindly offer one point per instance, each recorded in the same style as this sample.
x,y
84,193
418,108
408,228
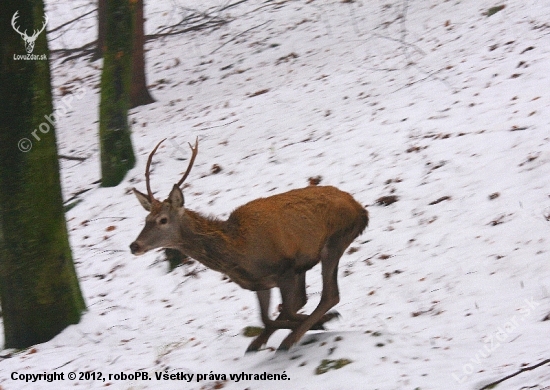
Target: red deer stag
x,y
268,242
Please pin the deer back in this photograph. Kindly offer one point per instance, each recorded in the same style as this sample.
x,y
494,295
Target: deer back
x,y
296,224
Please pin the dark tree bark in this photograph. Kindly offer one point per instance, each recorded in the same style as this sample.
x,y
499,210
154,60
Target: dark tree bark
x,y
139,94
39,290
101,29
117,155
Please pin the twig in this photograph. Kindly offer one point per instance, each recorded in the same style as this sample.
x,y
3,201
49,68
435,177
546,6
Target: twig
x,y
404,31
7,356
493,384
90,47
186,19
76,194
197,27
238,35
85,335
417,81
231,5
71,21
213,127
63,365
402,42
84,50
209,20
75,50
72,157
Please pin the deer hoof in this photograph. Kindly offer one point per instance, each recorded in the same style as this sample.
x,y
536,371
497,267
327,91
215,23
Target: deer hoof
x,y
283,348
332,315
257,343
252,348
326,318
319,326
287,343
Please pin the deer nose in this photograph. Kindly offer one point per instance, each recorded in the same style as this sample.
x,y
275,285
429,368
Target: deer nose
x,y
134,247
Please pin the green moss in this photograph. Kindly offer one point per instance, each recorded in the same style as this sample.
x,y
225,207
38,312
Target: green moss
x,y
252,331
493,10
328,364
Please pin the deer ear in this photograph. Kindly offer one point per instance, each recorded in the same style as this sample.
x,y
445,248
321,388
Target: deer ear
x,y
143,200
176,197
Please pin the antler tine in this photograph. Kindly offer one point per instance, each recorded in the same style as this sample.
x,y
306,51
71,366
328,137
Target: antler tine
x,y
13,19
191,161
37,32
149,192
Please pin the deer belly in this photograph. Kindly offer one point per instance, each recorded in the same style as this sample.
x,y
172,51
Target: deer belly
x,y
252,282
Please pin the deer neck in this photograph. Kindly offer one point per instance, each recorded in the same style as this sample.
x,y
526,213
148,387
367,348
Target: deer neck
x,y
209,241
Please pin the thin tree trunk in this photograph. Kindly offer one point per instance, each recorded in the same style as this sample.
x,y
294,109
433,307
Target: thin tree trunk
x,y
101,29
139,94
39,290
117,155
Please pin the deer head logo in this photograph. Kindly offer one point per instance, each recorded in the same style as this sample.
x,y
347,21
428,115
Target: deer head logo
x,y
29,40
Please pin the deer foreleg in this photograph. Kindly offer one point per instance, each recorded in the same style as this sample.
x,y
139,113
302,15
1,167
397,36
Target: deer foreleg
x,y
264,297
293,295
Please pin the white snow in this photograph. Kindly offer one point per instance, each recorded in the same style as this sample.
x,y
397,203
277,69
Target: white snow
x,y
418,99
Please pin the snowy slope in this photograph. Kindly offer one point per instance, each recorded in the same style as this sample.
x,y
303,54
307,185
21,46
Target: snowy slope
x,y
430,101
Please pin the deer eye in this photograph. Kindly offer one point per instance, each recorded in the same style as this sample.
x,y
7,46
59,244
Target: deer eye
x,y
163,221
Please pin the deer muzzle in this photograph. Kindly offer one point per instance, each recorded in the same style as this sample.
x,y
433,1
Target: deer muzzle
x,y
136,249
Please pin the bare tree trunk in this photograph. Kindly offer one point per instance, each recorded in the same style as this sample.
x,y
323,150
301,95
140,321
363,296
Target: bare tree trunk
x,y
101,29
139,94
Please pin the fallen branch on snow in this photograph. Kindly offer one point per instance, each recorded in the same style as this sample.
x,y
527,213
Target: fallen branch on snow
x,y
528,368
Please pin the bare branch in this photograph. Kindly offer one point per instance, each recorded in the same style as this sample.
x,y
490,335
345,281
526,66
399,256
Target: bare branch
x,y
75,158
238,35
529,368
71,21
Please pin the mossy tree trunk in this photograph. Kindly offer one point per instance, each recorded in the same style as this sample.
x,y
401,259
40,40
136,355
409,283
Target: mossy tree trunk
x,y
139,94
39,290
117,155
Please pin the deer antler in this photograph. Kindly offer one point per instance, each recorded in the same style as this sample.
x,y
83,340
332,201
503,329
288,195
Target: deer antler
x,y
37,33
15,16
194,151
147,173
24,34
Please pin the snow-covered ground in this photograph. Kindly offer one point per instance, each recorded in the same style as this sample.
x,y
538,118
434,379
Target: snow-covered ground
x,y
431,101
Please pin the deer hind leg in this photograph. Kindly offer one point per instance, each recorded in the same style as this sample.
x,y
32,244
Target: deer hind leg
x,y
330,256
300,301
293,295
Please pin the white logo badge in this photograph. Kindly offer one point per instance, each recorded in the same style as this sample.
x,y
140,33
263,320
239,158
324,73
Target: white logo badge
x,y
29,40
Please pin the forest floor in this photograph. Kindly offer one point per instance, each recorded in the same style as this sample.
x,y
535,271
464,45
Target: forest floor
x,y
437,107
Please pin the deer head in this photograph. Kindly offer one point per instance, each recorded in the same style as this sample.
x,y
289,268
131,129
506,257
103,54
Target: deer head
x,y
29,41
162,225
